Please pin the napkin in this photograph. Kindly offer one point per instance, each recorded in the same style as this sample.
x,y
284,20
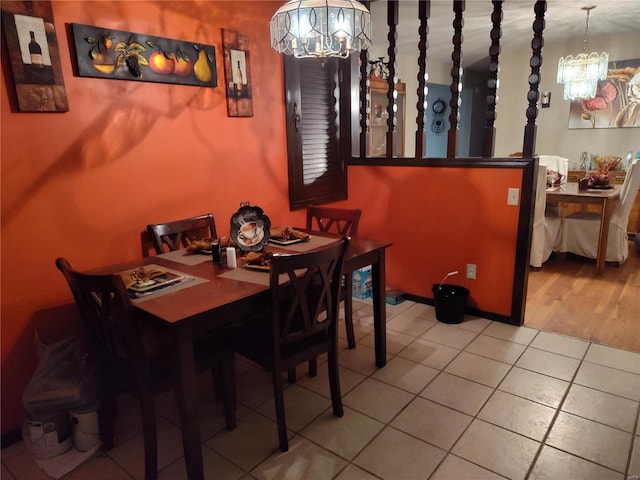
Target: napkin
x,y
287,232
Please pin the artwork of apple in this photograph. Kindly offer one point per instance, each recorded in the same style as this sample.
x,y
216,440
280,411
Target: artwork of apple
x,y
161,63
184,65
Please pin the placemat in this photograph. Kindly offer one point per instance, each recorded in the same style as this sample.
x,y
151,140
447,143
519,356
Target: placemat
x,y
250,276
190,281
181,256
314,241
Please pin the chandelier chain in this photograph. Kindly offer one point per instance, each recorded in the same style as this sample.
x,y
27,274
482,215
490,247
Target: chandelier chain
x,y
586,28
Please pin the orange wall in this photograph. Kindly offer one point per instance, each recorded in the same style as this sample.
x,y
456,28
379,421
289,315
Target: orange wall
x,y
84,184
439,220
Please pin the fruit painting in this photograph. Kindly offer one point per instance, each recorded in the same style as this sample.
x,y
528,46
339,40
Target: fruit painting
x,y
107,53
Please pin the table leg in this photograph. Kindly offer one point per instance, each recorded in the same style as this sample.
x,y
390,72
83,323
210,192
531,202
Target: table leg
x,y
186,397
379,309
603,239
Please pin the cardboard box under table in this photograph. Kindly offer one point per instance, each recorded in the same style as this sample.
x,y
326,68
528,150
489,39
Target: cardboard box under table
x,y
361,282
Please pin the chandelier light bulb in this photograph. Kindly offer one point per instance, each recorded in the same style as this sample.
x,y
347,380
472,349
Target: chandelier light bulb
x,y
580,74
321,28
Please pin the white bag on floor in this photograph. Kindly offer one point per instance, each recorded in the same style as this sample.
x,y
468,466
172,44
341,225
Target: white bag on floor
x,y
63,379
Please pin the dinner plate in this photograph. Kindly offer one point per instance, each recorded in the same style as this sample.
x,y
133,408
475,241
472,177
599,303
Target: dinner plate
x,y
250,228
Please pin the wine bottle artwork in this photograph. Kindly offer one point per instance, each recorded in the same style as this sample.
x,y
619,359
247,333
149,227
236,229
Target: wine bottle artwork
x,y
237,73
33,56
239,80
35,51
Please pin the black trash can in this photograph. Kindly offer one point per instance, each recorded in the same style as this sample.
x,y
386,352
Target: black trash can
x,y
451,301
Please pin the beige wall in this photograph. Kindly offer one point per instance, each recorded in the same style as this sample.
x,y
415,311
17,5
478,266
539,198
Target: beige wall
x,y
554,135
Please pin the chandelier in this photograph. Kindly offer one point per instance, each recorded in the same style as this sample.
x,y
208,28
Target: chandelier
x,y
580,74
321,28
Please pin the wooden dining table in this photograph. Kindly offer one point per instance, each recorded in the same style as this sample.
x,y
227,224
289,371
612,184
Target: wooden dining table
x,y
216,296
606,199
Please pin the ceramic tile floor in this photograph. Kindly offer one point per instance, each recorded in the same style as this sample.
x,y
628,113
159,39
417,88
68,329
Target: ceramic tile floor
x,y
477,400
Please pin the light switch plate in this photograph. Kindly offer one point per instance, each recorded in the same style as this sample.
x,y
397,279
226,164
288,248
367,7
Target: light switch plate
x,y
513,196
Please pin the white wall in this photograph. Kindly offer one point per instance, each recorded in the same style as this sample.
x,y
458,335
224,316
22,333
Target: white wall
x,y
553,133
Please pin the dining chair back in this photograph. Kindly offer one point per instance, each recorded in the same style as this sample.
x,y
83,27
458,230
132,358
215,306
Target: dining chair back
x,y
556,163
300,323
337,220
580,230
344,222
545,237
179,233
131,357
561,166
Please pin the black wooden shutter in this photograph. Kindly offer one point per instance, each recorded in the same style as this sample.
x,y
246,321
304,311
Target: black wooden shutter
x,y
317,172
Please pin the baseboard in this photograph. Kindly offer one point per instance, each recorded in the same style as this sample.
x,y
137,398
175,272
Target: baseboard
x,y
471,311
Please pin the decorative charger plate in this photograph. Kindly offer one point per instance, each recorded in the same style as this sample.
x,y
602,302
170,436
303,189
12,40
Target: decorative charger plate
x,y
250,228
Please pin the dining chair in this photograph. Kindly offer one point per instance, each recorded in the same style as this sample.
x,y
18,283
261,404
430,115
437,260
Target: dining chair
x,y
178,234
299,324
545,237
130,356
580,230
344,222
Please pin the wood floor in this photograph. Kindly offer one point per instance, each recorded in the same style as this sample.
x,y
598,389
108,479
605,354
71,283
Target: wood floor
x,y
565,296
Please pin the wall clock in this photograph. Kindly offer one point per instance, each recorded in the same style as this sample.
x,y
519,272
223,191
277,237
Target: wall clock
x,y
438,107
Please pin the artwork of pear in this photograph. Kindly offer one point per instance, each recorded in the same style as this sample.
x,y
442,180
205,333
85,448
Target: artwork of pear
x,y
103,63
202,69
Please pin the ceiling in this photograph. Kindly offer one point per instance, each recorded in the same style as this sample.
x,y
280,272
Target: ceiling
x,y
564,20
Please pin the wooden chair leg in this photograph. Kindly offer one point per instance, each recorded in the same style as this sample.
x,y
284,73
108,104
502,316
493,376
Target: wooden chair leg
x,y
334,384
348,313
278,394
313,367
107,416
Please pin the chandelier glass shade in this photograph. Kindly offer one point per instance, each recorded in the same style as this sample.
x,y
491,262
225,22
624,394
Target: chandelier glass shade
x,y
580,74
321,28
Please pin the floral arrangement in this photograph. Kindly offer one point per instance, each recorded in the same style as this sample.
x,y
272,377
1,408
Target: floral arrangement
x,y
600,176
604,164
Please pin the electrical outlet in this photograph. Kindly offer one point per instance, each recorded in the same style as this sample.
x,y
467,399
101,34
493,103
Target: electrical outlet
x,y
471,271
512,197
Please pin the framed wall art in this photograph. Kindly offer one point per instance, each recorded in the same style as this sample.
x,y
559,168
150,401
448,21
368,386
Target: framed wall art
x,y
237,73
30,36
617,100
119,55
